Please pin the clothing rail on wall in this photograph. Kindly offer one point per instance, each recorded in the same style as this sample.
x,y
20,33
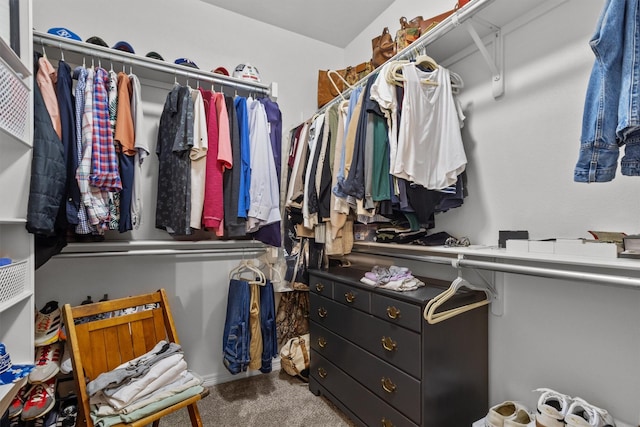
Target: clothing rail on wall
x,y
161,247
165,71
553,273
155,252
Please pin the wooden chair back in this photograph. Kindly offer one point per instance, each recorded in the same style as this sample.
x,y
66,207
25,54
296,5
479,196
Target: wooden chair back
x,y
106,334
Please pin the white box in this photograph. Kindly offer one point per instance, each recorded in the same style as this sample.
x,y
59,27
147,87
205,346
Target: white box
x,y
542,246
587,248
517,245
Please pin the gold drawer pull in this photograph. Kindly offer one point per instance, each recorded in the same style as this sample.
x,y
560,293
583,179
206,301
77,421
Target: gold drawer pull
x,y
322,312
386,422
319,287
322,372
387,385
350,297
389,344
322,342
393,312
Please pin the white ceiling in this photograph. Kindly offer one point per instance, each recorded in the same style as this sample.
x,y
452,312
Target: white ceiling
x,y
336,22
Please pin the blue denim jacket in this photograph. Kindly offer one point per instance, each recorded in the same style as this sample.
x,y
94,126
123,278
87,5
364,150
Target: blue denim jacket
x,y
611,111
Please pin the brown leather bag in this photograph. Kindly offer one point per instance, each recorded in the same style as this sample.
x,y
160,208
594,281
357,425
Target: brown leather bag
x,y
410,31
383,48
332,83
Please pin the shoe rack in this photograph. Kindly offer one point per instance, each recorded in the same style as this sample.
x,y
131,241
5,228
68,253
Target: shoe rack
x,y
16,141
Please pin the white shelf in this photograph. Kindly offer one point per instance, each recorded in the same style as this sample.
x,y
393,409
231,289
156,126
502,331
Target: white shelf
x,y
13,60
145,68
16,134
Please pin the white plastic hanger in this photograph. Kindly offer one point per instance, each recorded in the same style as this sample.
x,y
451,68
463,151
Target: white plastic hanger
x,y
246,267
432,317
329,74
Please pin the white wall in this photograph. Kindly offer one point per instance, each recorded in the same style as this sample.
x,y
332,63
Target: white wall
x,y
581,339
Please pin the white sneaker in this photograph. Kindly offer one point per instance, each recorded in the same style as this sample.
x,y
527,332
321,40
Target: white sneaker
x,y
47,363
552,408
583,414
498,414
48,321
522,418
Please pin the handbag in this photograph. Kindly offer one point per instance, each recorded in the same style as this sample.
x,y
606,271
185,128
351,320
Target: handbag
x,y
332,83
408,32
426,25
383,48
297,273
292,316
294,357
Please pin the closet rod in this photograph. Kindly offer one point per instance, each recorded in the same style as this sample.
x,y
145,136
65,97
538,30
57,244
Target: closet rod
x,y
606,279
147,252
171,69
409,52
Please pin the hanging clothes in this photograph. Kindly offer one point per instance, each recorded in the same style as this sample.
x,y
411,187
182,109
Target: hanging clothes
x,y
234,224
84,225
198,156
264,196
271,234
124,139
175,139
268,326
142,150
244,198
212,209
64,93
430,150
46,186
255,332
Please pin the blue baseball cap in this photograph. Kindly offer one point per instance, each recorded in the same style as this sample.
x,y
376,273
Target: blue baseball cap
x,y
64,32
123,46
11,373
186,62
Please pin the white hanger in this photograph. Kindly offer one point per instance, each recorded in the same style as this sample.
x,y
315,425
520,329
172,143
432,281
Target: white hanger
x,y
329,73
432,317
456,82
258,277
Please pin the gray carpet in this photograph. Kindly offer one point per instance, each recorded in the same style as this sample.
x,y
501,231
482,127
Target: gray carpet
x,y
266,400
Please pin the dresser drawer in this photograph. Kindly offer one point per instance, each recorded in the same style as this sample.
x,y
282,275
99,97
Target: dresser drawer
x,y
353,297
321,286
392,343
372,410
397,312
389,383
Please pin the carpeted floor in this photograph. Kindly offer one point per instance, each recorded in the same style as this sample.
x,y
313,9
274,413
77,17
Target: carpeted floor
x,y
268,400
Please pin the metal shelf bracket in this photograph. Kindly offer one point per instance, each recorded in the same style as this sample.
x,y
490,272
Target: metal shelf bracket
x,y
495,61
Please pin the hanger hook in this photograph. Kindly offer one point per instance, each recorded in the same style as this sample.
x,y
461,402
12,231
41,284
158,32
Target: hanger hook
x,y
61,51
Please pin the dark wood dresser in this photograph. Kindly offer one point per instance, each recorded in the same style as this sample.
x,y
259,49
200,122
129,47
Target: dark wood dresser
x,y
376,358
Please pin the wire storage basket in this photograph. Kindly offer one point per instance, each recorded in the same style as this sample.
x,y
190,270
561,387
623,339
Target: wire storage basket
x,y
14,103
13,278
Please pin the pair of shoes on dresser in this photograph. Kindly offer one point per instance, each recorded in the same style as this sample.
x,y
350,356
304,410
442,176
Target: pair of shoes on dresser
x,y
559,410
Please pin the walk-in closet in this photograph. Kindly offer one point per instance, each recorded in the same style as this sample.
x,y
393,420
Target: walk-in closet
x,y
526,295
